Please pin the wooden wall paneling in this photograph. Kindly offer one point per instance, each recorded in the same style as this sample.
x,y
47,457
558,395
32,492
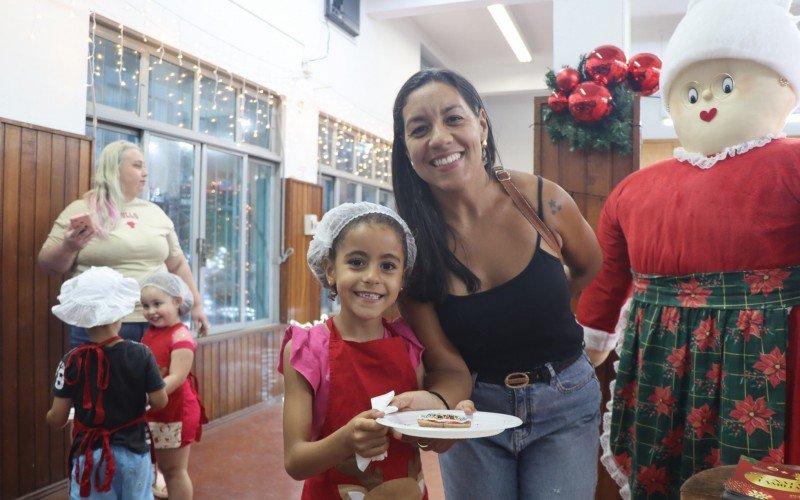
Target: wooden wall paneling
x,y
238,354
258,388
594,205
572,172
56,341
12,139
215,381
222,397
41,170
300,294
43,366
657,150
599,173
252,349
25,313
254,395
589,177
247,369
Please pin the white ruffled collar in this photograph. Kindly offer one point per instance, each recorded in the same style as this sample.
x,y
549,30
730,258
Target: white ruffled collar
x,y
702,161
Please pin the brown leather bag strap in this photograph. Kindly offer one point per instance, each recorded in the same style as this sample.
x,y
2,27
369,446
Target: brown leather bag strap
x,y
527,210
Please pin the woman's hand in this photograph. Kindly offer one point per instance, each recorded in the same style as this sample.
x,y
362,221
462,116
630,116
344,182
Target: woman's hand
x,y
597,357
199,320
76,240
60,258
417,400
365,436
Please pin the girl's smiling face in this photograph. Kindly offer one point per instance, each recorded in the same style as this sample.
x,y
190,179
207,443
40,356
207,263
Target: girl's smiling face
x,y
368,270
159,308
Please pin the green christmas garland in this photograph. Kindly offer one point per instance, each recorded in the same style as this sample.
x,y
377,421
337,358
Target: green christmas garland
x,y
612,132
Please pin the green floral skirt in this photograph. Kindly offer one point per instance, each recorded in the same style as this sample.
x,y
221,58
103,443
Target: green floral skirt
x,y
701,377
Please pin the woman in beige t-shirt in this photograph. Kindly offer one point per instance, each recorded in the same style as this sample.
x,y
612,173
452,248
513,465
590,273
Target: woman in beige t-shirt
x,y
130,235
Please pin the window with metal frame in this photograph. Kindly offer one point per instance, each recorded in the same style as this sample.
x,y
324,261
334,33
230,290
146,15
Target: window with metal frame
x,y
212,163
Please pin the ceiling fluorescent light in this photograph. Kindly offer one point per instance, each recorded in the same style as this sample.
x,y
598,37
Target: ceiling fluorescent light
x,y
509,30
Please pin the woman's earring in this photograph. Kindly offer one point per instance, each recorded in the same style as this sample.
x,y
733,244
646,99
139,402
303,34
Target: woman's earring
x,y
485,151
783,81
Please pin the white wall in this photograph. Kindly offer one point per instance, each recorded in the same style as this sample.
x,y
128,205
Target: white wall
x,y
512,125
264,41
43,54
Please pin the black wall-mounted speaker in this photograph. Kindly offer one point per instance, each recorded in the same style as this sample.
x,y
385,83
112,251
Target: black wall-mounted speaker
x,y
344,13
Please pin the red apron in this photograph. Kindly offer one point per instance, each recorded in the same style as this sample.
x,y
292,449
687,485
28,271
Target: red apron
x,y
360,371
95,433
184,404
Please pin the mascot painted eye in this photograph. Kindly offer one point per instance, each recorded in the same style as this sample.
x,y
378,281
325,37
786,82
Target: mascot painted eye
x,y
693,95
727,84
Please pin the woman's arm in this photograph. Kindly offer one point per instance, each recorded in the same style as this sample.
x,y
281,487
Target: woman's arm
x,y
579,246
445,370
304,458
60,257
180,364
177,265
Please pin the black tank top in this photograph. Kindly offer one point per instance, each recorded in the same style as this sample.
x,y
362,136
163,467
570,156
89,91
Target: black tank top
x,y
522,323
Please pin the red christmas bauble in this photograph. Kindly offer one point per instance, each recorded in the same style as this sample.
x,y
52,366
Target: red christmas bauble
x,y
590,102
558,101
607,64
567,79
644,71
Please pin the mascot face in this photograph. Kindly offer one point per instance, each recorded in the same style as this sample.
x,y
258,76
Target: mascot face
x,y
724,102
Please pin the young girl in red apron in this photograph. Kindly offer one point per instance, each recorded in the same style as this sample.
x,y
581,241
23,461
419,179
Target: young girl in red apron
x,y
165,298
360,253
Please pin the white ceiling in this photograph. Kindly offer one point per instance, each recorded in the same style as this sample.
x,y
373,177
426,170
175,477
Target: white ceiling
x,y
462,35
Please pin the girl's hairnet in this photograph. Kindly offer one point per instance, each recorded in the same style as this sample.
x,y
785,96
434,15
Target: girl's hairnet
x,y
99,296
174,286
335,220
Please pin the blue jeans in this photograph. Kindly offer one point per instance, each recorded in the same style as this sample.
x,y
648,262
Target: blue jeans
x,y
130,331
133,478
553,454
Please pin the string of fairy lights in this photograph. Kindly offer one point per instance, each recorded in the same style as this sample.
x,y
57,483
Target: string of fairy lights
x,y
171,90
347,148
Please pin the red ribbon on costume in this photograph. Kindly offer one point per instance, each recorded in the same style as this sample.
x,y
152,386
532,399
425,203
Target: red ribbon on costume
x,y
83,358
93,434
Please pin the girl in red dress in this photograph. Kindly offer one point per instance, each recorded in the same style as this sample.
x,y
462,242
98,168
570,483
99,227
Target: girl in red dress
x,y
165,298
360,253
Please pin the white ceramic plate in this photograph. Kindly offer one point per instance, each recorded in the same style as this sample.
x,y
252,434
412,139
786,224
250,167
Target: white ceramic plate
x,y
483,424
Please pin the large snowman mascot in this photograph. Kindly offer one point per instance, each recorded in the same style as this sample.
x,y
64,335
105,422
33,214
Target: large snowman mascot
x,y
709,243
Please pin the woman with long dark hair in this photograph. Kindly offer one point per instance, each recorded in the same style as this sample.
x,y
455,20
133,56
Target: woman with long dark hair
x,y
490,285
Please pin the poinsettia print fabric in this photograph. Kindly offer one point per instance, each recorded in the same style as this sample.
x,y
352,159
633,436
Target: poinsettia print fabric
x,y
702,375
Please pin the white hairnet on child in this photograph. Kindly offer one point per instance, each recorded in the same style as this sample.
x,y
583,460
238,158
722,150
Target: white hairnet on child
x,y
337,219
99,296
174,286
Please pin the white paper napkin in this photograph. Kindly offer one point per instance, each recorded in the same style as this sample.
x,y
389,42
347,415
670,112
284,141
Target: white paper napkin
x,y
378,403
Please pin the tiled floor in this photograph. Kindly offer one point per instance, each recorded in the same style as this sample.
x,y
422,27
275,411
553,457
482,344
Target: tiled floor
x,y
242,458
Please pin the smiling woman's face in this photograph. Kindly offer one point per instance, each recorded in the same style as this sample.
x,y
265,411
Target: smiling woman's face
x,y
443,136
723,102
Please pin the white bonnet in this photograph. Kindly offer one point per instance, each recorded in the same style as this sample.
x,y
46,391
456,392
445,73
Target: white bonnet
x,y
757,30
174,286
337,219
98,296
